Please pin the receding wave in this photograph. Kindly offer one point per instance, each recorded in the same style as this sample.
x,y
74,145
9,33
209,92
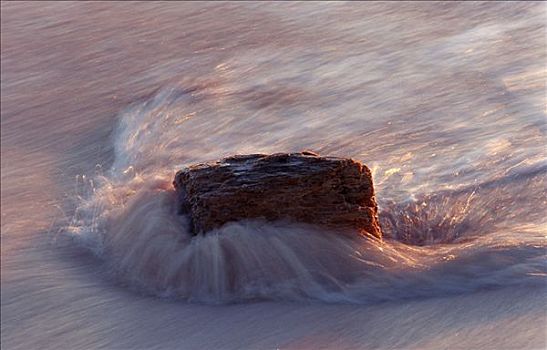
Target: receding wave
x,y
451,241
135,228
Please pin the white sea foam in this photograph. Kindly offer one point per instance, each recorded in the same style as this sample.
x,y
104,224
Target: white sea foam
x,y
440,244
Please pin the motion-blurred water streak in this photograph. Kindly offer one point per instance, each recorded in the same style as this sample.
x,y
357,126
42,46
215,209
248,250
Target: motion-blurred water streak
x,y
102,102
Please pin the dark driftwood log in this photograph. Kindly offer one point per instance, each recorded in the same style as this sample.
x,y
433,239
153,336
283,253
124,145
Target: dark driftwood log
x,y
303,187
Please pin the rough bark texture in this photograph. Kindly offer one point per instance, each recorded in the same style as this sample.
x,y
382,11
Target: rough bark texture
x,y
303,187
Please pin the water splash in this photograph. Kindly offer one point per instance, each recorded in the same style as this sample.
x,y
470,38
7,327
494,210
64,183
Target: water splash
x,y
132,223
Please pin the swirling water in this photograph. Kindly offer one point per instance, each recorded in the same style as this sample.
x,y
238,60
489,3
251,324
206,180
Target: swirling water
x,y
103,102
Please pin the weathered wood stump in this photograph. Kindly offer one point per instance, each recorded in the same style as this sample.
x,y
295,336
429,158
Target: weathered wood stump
x,y
302,187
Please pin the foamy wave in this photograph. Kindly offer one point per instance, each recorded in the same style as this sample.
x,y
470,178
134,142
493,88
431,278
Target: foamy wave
x,y
135,228
454,241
